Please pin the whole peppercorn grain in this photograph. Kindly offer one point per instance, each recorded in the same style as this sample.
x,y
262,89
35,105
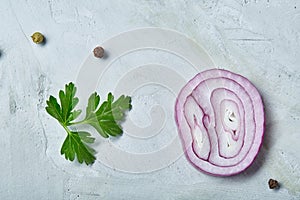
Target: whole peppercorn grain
x,y
98,52
37,38
273,184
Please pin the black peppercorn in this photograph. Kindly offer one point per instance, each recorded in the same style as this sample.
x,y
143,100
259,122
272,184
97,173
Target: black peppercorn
x,y
273,184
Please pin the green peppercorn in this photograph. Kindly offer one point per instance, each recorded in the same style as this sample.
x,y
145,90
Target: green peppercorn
x,y
37,37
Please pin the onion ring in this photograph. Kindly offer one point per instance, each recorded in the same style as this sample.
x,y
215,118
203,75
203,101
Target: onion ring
x,y
220,119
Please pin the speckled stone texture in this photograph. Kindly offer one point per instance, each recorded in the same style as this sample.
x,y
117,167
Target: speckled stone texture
x,y
256,38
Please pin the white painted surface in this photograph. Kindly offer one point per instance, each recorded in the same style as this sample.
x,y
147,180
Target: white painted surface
x,y
258,39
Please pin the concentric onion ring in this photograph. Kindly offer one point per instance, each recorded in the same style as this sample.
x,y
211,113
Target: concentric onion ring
x,y
220,119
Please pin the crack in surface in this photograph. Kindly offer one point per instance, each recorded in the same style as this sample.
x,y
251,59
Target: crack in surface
x,y
250,39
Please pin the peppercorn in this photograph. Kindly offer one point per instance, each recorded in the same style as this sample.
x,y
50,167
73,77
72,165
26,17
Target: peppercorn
x,y
273,184
37,37
98,52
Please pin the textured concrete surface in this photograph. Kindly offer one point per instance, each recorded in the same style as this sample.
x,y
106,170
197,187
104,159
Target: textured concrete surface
x,y
256,38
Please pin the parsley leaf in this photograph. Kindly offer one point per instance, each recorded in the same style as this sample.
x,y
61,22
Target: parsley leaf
x,y
64,113
105,118
68,102
75,142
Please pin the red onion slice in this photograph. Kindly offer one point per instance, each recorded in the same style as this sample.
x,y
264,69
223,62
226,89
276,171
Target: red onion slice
x,y
220,119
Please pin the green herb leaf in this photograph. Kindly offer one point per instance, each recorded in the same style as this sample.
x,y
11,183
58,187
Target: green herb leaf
x,y
53,109
107,117
64,112
104,118
75,144
68,102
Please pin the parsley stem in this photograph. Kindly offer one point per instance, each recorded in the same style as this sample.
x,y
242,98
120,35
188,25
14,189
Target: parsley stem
x,y
66,128
79,122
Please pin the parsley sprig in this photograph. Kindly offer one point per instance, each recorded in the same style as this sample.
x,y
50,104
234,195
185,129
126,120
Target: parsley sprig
x,y
105,118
